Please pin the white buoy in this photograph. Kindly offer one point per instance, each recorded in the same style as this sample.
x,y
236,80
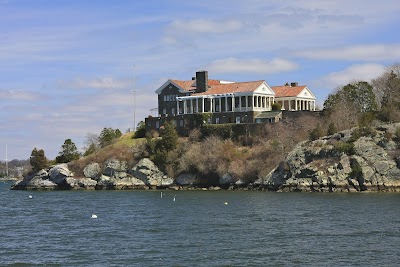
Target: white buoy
x,y
226,203
161,194
174,198
30,196
94,216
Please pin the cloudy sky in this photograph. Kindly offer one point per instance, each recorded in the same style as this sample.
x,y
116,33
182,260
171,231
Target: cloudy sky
x,y
67,67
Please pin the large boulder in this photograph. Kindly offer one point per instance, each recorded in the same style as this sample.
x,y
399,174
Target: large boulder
x,y
92,171
35,181
339,163
81,183
187,179
149,173
116,168
226,179
59,173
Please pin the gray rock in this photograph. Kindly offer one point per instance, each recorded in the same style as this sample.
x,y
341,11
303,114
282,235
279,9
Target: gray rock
x,y
186,179
92,171
226,179
318,166
82,183
116,168
149,173
59,172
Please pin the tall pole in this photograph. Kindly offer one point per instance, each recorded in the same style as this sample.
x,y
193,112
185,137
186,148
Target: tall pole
x,y
134,99
6,162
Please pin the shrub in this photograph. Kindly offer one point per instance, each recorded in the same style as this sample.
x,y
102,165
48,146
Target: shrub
x,y
331,129
140,131
276,106
316,133
346,148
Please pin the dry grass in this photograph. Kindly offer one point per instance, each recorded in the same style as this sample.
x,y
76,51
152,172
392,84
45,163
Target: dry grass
x,y
124,149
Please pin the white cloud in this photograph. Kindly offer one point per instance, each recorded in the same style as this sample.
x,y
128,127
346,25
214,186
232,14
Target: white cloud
x,y
18,95
355,52
204,26
357,72
234,65
97,83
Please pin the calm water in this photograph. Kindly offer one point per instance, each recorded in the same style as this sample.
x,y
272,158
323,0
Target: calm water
x,y
139,228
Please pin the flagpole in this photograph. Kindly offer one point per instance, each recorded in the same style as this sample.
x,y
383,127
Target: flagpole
x,y
134,99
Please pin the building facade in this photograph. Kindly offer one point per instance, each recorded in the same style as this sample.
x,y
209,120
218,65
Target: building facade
x,y
181,102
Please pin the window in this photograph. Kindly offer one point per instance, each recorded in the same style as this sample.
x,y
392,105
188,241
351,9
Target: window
x,y
165,98
164,111
173,111
181,123
216,120
157,124
237,119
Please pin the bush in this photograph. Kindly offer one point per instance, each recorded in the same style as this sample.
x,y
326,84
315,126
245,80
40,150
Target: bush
x,y
316,133
224,131
346,148
360,132
276,106
140,131
331,129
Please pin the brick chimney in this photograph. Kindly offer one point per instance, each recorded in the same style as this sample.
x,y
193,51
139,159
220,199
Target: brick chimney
x,y
201,81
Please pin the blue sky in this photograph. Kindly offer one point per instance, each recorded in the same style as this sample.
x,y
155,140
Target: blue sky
x,y
67,66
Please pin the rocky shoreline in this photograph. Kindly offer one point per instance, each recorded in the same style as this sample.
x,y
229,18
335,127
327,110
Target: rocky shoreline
x,y
349,161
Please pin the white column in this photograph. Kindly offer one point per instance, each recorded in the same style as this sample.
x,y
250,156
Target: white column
x,y
211,105
226,103
290,104
177,107
233,103
247,102
220,105
252,101
202,105
197,105
240,103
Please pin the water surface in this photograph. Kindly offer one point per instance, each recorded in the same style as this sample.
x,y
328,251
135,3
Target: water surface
x,y
139,228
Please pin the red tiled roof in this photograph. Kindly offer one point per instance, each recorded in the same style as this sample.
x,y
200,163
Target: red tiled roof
x,y
284,91
191,84
224,88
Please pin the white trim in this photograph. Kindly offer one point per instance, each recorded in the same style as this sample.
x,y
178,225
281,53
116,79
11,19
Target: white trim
x,y
162,87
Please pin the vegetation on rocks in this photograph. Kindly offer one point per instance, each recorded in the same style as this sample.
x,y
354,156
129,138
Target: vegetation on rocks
x,y
310,150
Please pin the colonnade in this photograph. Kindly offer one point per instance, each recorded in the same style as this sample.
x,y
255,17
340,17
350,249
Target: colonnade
x,y
297,104
223,103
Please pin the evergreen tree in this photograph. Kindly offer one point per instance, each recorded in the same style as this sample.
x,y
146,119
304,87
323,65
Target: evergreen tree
x,y
108,135
38,160
316,133
331,129
68,152
169,139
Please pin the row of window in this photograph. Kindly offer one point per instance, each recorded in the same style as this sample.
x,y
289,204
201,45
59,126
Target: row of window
x,y
170,97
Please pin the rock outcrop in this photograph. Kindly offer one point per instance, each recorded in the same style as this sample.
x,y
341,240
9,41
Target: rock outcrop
x,y
56,177
146,171
350,161
355,160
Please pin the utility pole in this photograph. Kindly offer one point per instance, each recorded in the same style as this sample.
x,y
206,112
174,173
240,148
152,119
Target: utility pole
x,y
134,99
6,162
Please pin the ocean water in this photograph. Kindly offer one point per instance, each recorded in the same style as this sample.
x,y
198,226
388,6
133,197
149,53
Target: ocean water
x,y
139,228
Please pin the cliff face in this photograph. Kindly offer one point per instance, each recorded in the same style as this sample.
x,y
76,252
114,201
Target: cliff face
x,y
359,159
